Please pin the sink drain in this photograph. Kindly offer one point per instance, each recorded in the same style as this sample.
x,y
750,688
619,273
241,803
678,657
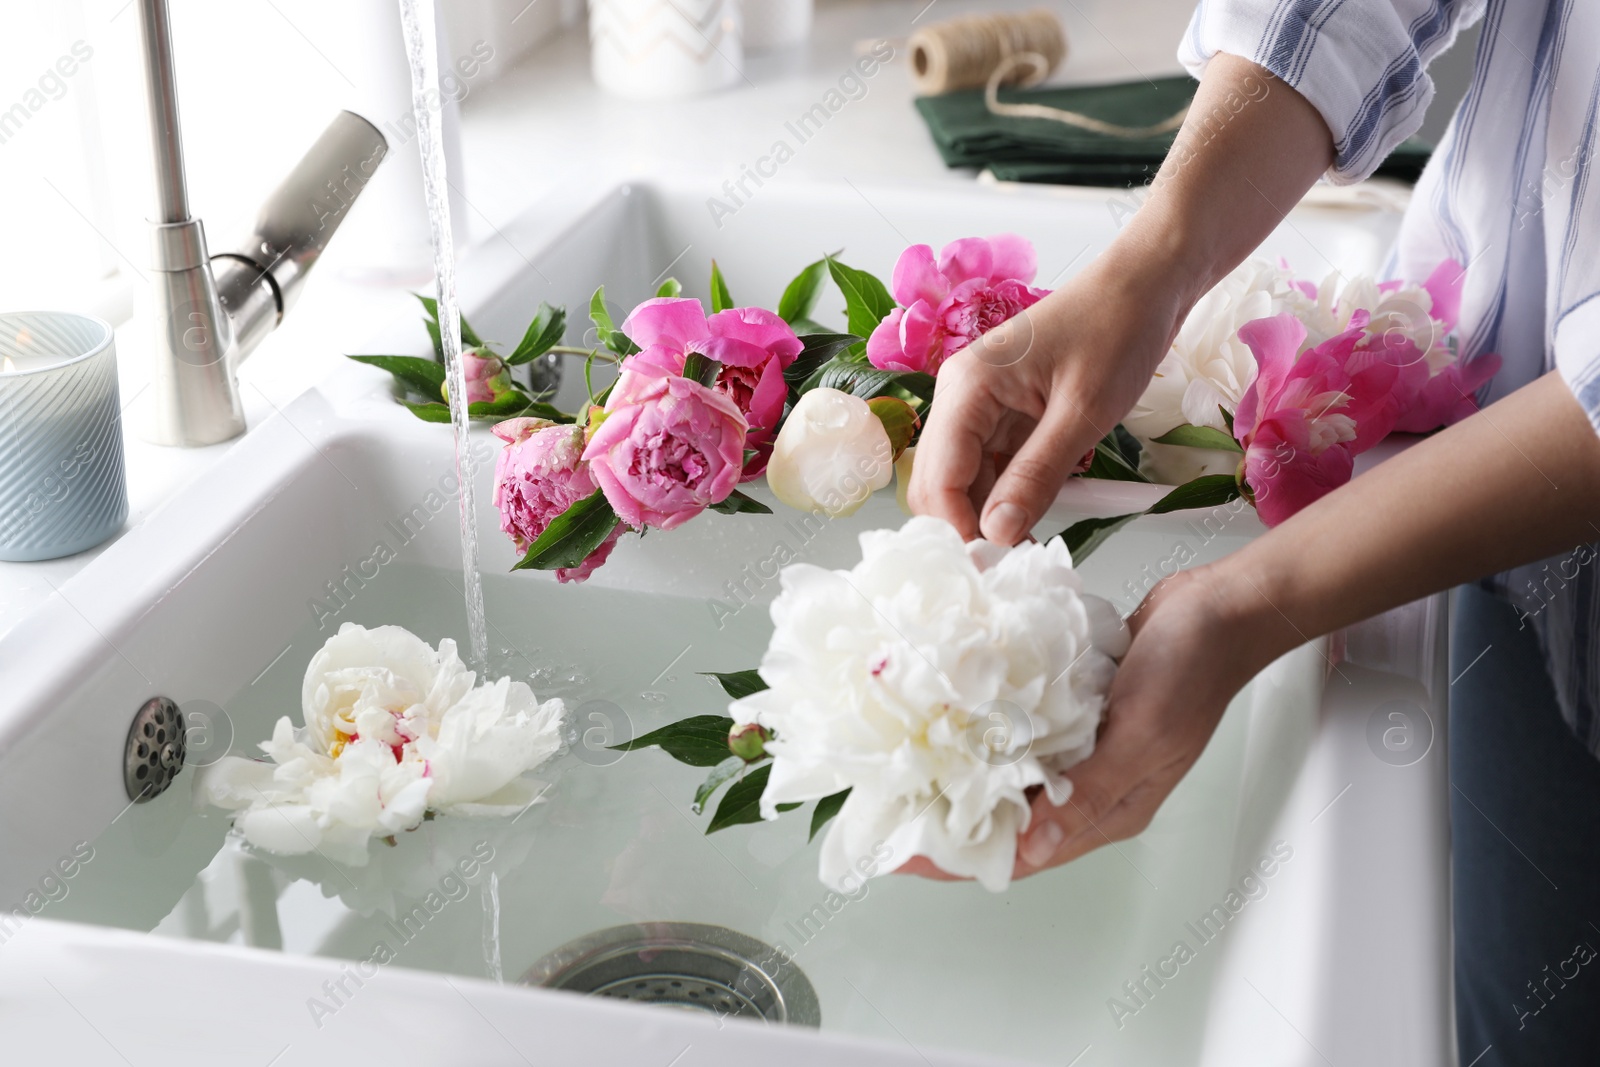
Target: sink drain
x,y
683,965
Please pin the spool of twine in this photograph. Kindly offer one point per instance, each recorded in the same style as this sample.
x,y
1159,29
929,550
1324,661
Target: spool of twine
x,y
963,53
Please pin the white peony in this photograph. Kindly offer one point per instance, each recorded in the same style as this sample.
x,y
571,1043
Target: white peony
x,y
938,682
831,454
1400,308
393,729
1206,369
1208,366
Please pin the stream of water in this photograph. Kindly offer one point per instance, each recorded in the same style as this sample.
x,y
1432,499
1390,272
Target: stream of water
x,y
419,21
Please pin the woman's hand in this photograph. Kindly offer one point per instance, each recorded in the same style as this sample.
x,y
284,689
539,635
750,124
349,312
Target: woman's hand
x,y
1015,411
1195,644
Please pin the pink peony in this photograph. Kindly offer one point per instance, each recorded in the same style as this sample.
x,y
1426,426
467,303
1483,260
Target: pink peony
x,y
541,473
671,322
977,284
1449,395
667,447
753,345
488,377
1303,420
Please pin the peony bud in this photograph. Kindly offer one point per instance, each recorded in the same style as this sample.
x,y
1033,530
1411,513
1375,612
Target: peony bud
x,y
748,742
831,454
488,376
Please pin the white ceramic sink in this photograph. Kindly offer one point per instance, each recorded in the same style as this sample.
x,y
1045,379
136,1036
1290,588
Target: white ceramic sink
x,y
1339,955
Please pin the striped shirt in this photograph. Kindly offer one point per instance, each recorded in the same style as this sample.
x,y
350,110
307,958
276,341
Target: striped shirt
x,y
1509,192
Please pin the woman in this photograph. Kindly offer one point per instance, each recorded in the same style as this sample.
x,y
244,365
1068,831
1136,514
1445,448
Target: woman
x,y
1509,193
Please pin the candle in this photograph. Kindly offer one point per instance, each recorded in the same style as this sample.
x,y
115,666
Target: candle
x,y
61,474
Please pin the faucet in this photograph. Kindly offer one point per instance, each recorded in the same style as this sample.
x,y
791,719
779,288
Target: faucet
x,y
212,311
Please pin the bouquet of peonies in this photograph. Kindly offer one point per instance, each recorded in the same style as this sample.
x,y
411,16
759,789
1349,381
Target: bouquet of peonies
x,y
1271,388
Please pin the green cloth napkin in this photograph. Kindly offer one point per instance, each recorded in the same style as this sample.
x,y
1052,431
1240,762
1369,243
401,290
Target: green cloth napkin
x,y
1040,150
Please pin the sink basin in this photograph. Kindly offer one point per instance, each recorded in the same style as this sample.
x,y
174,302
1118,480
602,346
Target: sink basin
x,y
1301,865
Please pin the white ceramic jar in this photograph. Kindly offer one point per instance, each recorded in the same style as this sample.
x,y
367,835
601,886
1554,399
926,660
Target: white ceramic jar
x,y
660,49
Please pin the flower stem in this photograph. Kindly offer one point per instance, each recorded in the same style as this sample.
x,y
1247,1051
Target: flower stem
x,y
595,353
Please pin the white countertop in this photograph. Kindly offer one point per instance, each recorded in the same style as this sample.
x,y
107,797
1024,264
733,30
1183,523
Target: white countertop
x,y
544,125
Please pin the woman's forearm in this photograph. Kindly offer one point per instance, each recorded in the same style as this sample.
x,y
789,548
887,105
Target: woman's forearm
x,y
1248,150
1517,482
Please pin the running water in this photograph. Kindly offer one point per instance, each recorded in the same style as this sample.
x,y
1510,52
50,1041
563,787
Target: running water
x,y
419,21
491,928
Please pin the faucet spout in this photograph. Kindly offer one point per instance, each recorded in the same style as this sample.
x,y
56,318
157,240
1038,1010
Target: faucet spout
x,y
212,311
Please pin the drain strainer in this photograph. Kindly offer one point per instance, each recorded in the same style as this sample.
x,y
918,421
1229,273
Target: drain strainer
x,y
683,965
154,751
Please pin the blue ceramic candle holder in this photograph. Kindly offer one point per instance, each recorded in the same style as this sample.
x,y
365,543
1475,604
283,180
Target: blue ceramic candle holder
x,y
62,488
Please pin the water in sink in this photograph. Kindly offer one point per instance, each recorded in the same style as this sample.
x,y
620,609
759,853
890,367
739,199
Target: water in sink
x,y
1029,973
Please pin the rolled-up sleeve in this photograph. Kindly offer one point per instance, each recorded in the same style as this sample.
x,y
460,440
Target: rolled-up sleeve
x,y
1361,63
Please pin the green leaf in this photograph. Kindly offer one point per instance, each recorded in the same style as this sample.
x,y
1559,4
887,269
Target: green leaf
x,y
866,300
469,339
701,368
571,535
866,381
431,411
737,503
742,802
699,741
721,299
800,295
826,809
816,350
1199,437
438,342
417,373
511,406
613,338
1084,537
598,313
918,384
429,305
1206,491
517,405
728,768
543,333
1112,464
670,288
738,684
1227,418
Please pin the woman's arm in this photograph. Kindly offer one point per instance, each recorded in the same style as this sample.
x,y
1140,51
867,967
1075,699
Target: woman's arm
x,y
1248,150
1517,482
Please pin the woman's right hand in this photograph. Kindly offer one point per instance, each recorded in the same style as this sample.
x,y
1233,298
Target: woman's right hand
x,y
1045,387
1015,411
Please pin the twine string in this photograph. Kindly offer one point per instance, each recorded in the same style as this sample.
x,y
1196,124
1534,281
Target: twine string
x,y
1039,66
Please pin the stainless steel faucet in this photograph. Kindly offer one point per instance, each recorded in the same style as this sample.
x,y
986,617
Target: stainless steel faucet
x,y
212,311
